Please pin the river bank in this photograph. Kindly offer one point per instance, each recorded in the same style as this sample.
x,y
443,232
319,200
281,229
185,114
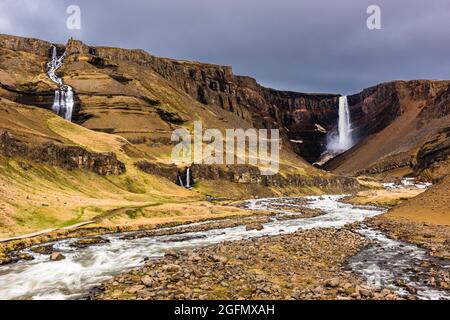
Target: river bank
x,y
306,264
197,213
314,247
85,266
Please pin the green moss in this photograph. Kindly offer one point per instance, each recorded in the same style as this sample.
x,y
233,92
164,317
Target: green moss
x,y
39,218
134,213
75,220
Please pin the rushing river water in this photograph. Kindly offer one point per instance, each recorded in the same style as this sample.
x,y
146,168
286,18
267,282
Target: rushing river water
x,y
86,268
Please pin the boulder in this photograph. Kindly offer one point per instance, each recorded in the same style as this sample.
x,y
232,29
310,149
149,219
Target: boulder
x,y
57,256
254,226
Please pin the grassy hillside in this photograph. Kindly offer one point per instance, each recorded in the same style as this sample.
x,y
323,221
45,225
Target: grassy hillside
x,y
122,106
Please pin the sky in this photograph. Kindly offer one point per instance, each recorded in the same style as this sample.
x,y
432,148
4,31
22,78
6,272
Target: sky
x,y
298,45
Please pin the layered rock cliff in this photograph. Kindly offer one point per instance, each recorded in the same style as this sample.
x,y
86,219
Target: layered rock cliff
x,y
66,157
402,126
143,98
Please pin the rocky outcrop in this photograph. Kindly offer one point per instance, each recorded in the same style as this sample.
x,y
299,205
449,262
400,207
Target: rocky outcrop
x,y
164,170
374,108
30,45
247,174
433,159
67,157
431,162
389,163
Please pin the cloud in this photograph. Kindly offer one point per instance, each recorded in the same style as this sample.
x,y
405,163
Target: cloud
x,y
303,45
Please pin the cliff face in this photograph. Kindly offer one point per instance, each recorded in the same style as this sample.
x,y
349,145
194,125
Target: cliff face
x,y
111,78
119,90
66,157
401,125
296,114
249,175
374,108
22,71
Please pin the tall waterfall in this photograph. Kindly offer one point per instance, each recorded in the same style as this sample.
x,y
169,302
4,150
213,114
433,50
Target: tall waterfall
x,y
343,139
63,102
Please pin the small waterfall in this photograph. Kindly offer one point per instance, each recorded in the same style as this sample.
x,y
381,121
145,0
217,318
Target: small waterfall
x,y
63,102
343,140
181,181
188,178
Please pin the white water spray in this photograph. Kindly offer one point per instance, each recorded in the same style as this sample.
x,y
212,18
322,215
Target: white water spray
x,y
63,102
343,140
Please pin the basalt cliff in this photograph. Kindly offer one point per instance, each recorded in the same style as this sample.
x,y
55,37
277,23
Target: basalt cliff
x,y
128,102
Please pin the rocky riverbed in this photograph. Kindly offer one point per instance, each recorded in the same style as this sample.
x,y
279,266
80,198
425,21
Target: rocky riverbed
x,y
313,247
307,264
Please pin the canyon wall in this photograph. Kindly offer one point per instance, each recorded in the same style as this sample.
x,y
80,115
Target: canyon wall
x,y
403,127
148,91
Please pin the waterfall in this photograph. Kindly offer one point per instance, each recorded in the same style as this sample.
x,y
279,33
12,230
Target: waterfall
x,y
342,141
188,178
345,137
63,102
181,181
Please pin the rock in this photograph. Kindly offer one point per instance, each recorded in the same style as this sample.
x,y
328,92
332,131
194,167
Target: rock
x,y
172,268
365,293
254,226
147,281
43,249
332,283
220,259
301,260
24,256
171,253
64,156
8,260
135,289
411,289
385,292
86,242
296,295
57,256
193,257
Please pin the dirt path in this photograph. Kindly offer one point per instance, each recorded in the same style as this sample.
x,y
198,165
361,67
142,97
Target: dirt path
x,y
42,232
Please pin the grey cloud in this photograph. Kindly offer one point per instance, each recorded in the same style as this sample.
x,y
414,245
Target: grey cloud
x,y
302,45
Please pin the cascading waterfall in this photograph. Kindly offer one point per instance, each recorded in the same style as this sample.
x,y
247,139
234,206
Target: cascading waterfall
x,y
63,102
343,139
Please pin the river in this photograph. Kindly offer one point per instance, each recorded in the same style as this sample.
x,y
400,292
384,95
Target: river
x,y
85,268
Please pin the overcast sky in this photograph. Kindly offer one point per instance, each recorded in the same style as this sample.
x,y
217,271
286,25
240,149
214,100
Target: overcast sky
x,y
301,45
